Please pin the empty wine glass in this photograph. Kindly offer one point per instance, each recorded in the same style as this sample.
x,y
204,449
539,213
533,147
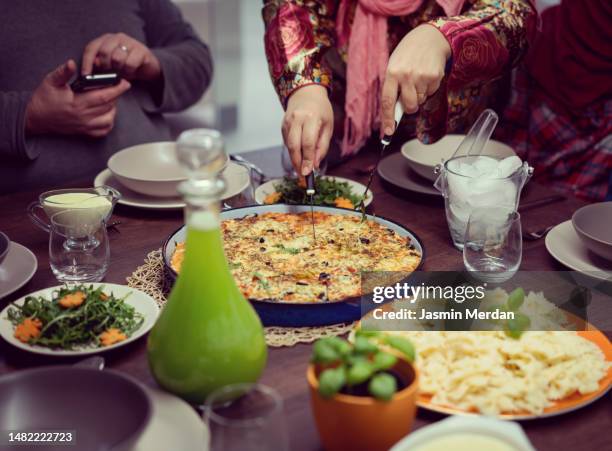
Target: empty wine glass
x,y
78,246
493,243
246,416
239,174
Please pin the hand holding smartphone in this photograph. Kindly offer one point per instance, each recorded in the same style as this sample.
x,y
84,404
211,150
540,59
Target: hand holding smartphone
x,y
95,81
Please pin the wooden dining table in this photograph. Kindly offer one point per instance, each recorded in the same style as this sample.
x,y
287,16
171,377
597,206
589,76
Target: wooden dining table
x,y
141,231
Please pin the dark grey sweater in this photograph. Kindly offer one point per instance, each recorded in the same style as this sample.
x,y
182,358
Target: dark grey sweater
x,y
38,35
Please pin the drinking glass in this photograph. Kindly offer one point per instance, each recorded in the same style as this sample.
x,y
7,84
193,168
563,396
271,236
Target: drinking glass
x,y
241,175
246,416
78,246
493,243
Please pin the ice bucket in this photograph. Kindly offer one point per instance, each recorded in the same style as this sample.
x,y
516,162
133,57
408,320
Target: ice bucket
x,y
463,191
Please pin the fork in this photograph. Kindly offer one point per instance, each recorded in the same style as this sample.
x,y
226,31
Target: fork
x,y
536,234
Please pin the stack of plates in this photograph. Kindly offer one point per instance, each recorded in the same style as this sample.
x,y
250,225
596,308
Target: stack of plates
x,y
147,176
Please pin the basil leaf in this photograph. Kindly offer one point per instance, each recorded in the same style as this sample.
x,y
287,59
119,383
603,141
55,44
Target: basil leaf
x,y
324,352
517,325
402,345
515,299
360,372
341,346
382,386
364,346
367,333
331,381
383,361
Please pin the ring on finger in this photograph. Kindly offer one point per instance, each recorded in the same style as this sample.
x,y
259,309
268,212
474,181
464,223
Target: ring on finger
x,y
124,48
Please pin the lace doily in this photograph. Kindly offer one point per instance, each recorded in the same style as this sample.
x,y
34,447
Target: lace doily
x,y
152,279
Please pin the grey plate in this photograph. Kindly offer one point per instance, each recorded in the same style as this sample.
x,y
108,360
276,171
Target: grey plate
x,y
564,244
395,170
17,269
5,244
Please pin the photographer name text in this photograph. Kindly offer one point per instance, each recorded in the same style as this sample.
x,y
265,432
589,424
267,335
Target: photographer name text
x,y
452,314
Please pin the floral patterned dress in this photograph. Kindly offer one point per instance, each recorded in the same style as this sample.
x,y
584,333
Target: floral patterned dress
x,y
487,39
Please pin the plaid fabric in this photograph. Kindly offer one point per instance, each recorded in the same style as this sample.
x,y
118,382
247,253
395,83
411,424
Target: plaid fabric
x,y
571,151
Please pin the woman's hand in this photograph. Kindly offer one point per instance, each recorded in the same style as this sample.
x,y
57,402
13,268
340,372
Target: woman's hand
x,y
307,127
55,108
415,70
121,53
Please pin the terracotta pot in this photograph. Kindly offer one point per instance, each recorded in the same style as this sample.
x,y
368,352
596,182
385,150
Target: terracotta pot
x,y
356,423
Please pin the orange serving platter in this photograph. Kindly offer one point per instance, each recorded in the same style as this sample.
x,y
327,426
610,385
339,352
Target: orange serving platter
x,y
565,405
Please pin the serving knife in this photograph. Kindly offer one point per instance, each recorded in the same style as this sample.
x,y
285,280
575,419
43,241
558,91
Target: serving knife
x,y
384,142
310,191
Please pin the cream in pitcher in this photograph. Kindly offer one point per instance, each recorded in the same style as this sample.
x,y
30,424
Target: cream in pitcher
x,y
92,204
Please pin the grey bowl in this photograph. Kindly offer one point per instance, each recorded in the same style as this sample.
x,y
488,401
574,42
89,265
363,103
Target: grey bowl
x,y
5,245
593,224
105,409
423,158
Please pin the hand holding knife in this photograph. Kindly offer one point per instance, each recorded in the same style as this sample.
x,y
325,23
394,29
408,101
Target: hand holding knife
x,y
385,141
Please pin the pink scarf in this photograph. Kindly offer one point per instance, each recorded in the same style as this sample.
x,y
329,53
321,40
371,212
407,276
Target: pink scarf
x,y
368,56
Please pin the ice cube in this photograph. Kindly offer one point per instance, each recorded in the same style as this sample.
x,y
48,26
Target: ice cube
x,y
509,166
459,213
462,167
492,193
458,187
486,166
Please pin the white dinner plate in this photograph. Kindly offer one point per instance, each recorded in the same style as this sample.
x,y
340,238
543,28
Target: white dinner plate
x,y
174,425
357,188
236,177
142,302
17,269
563,243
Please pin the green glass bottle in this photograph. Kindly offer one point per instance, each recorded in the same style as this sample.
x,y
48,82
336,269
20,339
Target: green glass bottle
x,y
208,335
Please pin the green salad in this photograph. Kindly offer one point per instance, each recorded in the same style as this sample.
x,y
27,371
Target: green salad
x,y
329,191
74,317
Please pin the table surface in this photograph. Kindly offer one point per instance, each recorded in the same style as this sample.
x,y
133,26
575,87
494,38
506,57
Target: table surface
x,y
588,428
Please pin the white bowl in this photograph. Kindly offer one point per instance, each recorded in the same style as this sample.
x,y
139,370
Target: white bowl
x,y
593,224
150,169
508,433
423,158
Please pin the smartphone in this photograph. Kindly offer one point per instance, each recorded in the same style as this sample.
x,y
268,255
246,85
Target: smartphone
x,y
95,81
